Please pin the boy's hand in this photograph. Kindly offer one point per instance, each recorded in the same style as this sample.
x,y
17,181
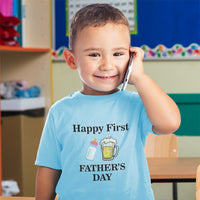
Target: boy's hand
x,y
160,108
138,69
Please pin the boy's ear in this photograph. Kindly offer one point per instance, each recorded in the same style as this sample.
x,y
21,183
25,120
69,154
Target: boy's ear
x,y
69,58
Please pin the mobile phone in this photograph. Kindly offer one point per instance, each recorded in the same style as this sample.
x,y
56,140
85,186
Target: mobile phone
x,y
128,72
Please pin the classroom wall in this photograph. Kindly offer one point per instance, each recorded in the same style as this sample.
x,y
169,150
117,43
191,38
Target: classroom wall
x,y
173,77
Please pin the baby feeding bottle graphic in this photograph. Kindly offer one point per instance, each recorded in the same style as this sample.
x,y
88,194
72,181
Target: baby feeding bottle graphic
x,y
109,148
92,149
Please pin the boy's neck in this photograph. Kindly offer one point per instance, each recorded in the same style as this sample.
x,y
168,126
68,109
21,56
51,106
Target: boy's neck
x,y
95,92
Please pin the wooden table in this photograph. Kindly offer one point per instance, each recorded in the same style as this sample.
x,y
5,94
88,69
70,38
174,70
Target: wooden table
x,y
173,170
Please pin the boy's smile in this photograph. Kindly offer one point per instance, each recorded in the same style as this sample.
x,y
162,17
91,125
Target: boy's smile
x,y
101,55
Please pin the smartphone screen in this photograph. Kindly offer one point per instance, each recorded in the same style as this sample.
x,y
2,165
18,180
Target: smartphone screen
x,y
128,72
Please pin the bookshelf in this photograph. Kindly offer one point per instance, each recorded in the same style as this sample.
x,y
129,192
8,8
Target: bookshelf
x,y
32,62
22,49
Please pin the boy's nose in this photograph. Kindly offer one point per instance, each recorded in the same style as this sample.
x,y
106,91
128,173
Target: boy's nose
x,y
106,64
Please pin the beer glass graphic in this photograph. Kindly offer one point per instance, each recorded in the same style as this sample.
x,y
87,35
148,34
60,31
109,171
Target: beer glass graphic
x,y
109,148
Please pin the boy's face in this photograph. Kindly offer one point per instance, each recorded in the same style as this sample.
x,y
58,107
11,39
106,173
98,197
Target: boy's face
x,y
101,56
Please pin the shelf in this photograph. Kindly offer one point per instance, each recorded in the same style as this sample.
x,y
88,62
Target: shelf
x,y
31,63
21,49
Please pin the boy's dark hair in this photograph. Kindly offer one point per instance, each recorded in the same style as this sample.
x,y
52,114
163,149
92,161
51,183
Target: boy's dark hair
x,y
94,15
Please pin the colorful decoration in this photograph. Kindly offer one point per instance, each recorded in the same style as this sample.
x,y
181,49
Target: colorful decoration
x,y
58,54
176,52
160,52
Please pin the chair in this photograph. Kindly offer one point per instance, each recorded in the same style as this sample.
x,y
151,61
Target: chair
x,y
162,146
198,183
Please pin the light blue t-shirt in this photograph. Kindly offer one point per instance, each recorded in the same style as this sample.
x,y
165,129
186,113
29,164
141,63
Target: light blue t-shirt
x,y
98,143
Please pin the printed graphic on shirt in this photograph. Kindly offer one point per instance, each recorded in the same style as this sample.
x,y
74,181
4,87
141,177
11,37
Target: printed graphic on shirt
x,y
109,149
102,171
92,149
78,128
102,148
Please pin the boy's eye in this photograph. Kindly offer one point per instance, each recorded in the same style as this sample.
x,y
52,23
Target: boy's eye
x,y
94,55
117,54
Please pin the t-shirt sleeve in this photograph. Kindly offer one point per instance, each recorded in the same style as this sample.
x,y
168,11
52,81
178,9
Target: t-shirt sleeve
x,y
49,150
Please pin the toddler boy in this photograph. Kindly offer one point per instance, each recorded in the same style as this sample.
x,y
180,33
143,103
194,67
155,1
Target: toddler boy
x,y
92,146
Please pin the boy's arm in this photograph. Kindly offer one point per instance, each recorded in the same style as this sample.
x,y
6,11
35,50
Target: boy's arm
x,y
161,109
46,181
